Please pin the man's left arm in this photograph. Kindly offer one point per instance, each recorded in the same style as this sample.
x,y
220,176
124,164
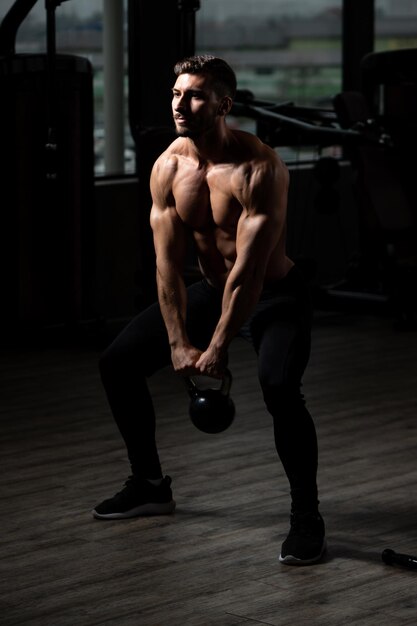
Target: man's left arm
x,y
259,230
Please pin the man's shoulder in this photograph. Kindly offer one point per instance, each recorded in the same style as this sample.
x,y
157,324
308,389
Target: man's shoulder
x,y
253,149
167,162
172,154
257,159
258,165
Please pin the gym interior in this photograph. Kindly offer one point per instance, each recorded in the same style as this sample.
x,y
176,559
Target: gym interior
x,y
84,112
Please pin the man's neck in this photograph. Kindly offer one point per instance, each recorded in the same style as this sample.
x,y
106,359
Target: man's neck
x,y
210,147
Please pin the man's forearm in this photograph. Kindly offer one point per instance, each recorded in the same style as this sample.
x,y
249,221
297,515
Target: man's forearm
x,y
172,298
238,303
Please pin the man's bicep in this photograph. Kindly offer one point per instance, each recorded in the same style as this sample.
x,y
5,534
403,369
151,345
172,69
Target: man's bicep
x,y
264,199
168,234
258,234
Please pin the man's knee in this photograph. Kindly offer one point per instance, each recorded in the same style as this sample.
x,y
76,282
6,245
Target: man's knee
x,y
282,398
116,363
107,364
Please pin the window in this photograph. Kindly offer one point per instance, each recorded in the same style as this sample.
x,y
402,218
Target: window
x,y
286,51
395,25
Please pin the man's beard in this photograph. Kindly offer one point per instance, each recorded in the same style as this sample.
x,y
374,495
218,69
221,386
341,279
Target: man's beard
x,y
195,131
187,132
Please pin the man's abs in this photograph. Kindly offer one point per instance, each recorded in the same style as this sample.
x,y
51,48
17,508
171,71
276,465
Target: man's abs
x,y
217,259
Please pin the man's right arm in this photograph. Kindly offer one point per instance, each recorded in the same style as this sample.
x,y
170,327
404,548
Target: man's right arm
x,y
170,243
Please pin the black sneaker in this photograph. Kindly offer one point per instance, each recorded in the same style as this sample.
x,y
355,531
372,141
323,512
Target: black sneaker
x,y
306,542
139,497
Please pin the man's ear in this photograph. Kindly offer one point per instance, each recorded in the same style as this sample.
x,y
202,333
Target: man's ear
x,y
225,106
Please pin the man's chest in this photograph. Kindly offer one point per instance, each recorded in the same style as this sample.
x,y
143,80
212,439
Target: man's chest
x,y
204,200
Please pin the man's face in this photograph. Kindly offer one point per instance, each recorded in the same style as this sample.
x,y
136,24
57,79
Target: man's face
x,y
195,106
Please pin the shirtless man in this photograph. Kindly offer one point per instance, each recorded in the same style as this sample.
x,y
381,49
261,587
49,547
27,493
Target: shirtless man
x,y
229,190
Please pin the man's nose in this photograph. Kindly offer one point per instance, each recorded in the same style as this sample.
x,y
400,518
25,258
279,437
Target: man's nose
x,y
180,104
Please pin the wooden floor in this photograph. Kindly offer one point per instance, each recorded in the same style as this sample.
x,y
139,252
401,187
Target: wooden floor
x,y
215,561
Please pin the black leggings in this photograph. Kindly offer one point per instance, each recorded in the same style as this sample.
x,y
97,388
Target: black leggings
x,y
279,330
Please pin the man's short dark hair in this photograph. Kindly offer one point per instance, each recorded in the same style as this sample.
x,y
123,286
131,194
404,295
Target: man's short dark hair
x,y
221,74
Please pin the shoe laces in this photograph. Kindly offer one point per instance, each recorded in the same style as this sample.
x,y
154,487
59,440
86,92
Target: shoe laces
x,y
130,484
133,482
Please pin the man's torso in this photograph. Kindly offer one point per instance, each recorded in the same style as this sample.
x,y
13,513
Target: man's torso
x,y
206,200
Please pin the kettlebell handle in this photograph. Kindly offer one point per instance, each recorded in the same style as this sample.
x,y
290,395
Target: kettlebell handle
x,y
226,383
224,388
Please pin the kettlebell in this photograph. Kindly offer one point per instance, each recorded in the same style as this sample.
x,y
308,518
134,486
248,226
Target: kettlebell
x,y
211,410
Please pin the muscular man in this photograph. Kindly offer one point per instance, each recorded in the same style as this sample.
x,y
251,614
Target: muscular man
x,y
229,190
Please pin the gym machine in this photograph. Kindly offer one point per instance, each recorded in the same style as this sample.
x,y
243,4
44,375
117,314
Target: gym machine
x,y
376,130
384,180
47,173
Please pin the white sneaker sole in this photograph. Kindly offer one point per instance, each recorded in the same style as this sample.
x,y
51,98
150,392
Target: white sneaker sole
x,y
293,560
